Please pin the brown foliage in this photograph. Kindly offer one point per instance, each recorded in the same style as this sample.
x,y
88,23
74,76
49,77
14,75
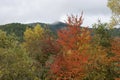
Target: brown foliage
x,y
116,51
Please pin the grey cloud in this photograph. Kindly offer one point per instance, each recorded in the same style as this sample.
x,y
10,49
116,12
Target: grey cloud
x,y
48,10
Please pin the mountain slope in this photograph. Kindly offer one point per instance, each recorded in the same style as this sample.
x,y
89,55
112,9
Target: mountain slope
x,y
18,28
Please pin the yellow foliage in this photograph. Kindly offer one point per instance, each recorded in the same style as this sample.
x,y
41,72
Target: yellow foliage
x,y
33,39
34,34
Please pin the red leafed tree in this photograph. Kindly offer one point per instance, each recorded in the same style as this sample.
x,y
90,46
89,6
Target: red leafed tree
x,y
50,46
74,41
73,36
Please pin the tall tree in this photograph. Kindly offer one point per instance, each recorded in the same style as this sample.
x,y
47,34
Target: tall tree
x,y
33,38
114,5
33,45
102,34
40,44
74,41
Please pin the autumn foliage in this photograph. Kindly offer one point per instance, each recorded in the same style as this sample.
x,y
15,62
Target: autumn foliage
x,y
73,53
83,56
116,51
74,41
74,37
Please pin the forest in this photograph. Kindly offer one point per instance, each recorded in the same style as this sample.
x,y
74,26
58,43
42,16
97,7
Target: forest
x,y
67,51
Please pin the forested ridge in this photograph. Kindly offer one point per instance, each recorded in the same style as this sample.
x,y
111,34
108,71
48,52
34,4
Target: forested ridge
x,y
19,28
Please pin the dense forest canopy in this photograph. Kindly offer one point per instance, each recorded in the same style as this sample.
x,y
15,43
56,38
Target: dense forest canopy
x,y
61,51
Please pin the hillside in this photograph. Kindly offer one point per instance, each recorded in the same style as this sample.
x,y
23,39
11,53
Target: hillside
x,y
18,28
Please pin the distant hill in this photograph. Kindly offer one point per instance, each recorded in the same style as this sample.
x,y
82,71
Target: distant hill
x,y
54,26
19,28
116,32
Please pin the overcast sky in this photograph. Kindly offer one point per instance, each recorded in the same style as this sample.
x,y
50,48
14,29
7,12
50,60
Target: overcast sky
x,y
50,11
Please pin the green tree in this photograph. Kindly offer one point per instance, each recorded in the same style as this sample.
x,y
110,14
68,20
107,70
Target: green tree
x,y
14,61
101,65
102,34
7,41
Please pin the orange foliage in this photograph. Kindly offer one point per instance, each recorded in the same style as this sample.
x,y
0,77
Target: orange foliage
x,y
117,79
116,51
74,41
116,46
74,37
69,67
